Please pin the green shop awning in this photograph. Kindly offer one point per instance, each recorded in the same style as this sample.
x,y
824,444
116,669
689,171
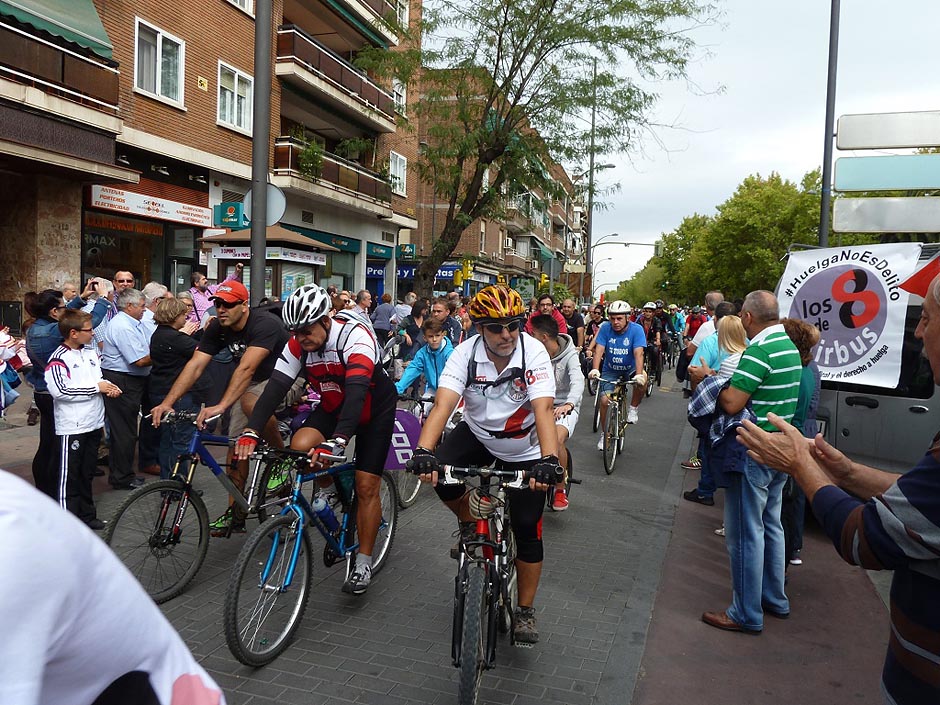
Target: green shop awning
x,y
75,21
544,252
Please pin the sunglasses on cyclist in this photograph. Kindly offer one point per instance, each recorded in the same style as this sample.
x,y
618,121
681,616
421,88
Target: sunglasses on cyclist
x,y
220,303
497,328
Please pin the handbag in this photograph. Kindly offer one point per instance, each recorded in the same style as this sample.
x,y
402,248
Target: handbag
x,y
682,366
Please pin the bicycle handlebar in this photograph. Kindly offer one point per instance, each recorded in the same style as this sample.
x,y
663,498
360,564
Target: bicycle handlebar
x,y
453,475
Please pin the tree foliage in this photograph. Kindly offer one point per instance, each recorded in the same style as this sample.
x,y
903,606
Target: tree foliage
x,y
506,85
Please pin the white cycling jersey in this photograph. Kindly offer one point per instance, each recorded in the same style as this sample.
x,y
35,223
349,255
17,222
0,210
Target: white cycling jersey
x,y
497,407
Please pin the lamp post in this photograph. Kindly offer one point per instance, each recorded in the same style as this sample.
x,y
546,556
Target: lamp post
x,y
830,123
590,204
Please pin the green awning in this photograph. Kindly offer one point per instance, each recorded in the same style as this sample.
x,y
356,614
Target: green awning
x,y
544,252
75,21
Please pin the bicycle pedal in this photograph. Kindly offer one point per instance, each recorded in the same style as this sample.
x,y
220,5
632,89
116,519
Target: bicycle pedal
x,y
522,644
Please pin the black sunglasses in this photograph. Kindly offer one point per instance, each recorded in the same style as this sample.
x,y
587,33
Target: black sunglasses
x,y
497,328
227,304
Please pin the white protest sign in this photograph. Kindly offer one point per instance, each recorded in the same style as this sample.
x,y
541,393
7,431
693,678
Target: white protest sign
x,y
851,295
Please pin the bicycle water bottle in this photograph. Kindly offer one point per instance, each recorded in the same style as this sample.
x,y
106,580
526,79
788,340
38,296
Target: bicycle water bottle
x,y
325,512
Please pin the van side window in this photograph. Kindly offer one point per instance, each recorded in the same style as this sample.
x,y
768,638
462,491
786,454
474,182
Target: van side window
x,y
916,380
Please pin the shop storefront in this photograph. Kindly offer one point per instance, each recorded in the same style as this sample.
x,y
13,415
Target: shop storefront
x,y
377,260
443,280
153,238
340,266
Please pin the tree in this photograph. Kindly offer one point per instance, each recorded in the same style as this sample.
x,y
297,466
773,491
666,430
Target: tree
x,y
504,85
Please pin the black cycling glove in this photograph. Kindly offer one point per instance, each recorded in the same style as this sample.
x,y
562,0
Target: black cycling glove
x,y
422,462
547,471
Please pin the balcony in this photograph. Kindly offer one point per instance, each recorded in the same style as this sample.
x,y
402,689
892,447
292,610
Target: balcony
x,y
341,182
311,67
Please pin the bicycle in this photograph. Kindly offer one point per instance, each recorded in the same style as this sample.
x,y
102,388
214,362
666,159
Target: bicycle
x,y
155,534
649,366
268,591
486,585
616,424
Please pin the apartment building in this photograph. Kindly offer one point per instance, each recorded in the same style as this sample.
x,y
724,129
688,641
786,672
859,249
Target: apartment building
x,y
167,93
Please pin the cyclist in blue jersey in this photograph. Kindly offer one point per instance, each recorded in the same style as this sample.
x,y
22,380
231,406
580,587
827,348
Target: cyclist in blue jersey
x,y
618,352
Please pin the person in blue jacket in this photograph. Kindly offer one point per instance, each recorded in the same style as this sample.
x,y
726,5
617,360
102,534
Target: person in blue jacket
x,y
42,339
429,359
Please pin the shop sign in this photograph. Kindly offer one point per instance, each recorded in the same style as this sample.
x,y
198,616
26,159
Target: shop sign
x,y
229,215
380,251
445,272
101,221
285,254
407,251
116,199
373,272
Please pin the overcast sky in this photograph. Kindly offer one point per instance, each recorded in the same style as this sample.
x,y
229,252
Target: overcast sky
x,y
771,60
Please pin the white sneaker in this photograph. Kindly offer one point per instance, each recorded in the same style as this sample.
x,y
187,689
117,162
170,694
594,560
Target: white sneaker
x,y
632,415
600,443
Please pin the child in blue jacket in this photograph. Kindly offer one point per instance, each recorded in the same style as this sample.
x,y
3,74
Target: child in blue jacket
x,y
430,358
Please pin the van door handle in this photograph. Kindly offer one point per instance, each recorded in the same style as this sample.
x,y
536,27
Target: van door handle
x,y
862,401
919,409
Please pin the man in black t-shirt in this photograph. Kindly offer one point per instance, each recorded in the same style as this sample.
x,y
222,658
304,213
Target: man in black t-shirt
x,y
255,338
574,321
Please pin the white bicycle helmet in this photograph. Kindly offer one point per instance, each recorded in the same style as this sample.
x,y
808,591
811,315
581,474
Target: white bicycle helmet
x,y
619,307
306,305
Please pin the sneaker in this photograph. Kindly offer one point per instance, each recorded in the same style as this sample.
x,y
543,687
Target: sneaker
x,y
96,524
795,558
600,443
280,476
720,532
32,416
358,581
560,503
633,415
524,631
467,533
226,525
692,463
694,496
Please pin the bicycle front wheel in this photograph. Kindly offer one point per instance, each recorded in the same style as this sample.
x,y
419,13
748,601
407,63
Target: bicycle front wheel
x,y
611,437
592,385
163,556
408,485
597,414
268,591
383,540
473,635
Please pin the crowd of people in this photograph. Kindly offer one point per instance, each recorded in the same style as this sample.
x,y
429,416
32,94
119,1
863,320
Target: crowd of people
x,y
100,359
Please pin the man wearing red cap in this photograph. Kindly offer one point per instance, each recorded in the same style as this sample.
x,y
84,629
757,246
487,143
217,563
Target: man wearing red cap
x,y
255,338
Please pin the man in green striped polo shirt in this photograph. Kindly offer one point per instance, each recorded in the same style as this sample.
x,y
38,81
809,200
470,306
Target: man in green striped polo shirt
x,y
767,377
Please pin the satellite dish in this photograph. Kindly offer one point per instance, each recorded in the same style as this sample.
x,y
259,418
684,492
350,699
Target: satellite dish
x,y
277,204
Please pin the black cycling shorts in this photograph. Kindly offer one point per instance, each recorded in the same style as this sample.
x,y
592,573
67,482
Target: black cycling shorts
x,y
372,439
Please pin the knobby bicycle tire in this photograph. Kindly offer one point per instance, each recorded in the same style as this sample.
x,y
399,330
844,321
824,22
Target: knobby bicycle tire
x,y
407,485
139,533
473,634
611,432
261,619
509,590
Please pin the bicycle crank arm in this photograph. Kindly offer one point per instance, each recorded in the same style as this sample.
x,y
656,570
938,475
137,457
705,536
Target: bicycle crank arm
x,y
574,481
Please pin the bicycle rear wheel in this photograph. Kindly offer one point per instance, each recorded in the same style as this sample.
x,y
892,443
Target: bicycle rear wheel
x,y
143,534
597,414
473,635
262,611
611,441
274,488
408,485
592,385
509,596
388,496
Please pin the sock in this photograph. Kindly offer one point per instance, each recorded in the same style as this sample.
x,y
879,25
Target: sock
x,y
634,408
362,560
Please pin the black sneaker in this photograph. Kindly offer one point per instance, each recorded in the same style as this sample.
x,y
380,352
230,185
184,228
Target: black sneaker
x,y
467,533
524,631
358,581
694,496
96,524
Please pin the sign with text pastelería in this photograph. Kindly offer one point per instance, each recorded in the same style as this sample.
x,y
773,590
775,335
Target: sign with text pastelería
x,y
852,295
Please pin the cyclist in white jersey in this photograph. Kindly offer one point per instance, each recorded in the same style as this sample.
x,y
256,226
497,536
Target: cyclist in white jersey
x,y
505,377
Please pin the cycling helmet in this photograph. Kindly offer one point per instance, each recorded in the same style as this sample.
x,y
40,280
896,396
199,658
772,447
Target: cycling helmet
x,y
659,303
649,306
496,303
306,305
617,307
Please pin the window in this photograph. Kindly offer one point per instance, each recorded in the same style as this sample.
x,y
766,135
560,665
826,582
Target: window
x,y
159,63
482,237
246,5
399,91
235,97
401,7
397,171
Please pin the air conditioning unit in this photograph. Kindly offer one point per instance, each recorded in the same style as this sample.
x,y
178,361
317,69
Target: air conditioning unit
x,y
534,264
509,244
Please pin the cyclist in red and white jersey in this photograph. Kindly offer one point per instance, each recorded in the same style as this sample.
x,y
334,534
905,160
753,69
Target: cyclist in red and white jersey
x,y
340,358
508,385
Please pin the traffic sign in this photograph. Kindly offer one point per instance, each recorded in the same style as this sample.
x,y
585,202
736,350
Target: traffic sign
x,y
888,173
888,130
277,204
886,215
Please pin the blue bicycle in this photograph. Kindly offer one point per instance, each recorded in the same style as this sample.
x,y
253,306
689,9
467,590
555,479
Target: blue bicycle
x,y
268,591
161,531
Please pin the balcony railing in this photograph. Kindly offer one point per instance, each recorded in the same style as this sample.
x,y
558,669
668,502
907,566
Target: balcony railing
x,y
25,58
293,44
336,171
